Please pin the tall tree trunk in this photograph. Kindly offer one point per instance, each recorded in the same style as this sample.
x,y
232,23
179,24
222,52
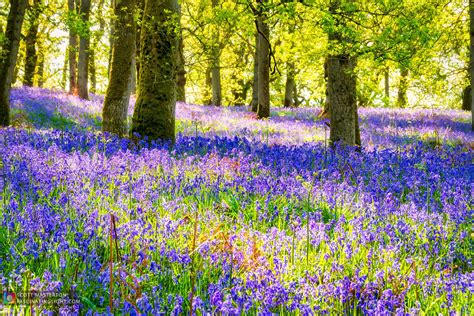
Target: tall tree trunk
x,y
215,56
290,85
40,72
471,64
10,49
94,48
32,17
154,115
466,98
83,60
181,75
342,96
140,7
72,49
263,57
254,102
92,72
118,91
387,85
65,70
402,88
207,97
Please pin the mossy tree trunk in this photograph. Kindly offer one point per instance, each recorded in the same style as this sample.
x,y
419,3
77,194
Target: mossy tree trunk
x,y
154,115
215,57
9,56
341,84
118,91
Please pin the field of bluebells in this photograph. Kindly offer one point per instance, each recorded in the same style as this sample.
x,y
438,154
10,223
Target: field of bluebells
x,y
240,217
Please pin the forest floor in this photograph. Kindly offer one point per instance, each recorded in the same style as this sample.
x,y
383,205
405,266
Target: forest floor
x,y
241,216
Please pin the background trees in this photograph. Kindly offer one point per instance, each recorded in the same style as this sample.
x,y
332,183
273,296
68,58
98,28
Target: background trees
x,y
409,53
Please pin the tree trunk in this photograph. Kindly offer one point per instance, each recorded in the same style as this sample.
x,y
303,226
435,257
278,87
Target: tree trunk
x,y
118,91
32,16
154,115
402,88
10,49
140,7
471,64
342,96
40,72
254,102
290,85
387,86
65,70
342,99
263,57
72,50
215,57
83,60
92,73
466,98
207,98
181,75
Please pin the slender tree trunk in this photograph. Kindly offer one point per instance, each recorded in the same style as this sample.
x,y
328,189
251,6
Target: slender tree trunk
x,y
83,60
254,102
263,57
215,56
118,92
154,115
181,75
207,100
140,7
295,95
10,49
65,70
466,98
92,73
72,50
387,85
402,88
32,17
290,85
342,96
40,72
471,64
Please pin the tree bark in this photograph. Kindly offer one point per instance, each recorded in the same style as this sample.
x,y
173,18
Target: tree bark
x,y
466,98
290,85
181,75
207,97
92,72
387,85
118,91
342,96
140,7
402,99
263,57
40,72
10,49
471,64
72,50
154,115
32,17
83,60
254,102
215,57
